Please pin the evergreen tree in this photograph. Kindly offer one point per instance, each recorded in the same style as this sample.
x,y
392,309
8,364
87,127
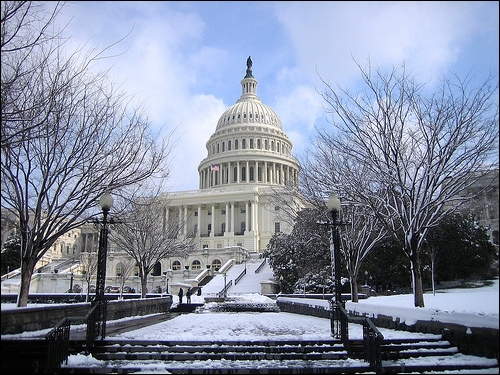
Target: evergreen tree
x,y
11,253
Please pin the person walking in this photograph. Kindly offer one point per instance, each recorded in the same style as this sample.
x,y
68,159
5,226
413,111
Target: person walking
x,y
181,293
188,295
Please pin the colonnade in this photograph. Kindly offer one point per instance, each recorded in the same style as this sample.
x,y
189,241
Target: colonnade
x,y
247,172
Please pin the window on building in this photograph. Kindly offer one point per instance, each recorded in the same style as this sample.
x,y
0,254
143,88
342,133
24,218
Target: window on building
x,y
229,145
223,212
120,269
251,176
258,144
243,226
259,173
243,173
235,174
195,265
277,227
243,143
251,143
223,146
243,210
235,144
223,227
176,265
216,264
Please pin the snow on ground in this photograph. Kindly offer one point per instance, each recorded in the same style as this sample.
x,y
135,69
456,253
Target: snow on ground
x,y
474,307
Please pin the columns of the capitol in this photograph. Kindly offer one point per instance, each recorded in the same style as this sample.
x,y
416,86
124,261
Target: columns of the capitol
x,y
232,216
212,222
246,217
228,229
185,219
198,230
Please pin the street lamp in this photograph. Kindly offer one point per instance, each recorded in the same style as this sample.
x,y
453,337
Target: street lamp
x,y
333,206
71,283
106,202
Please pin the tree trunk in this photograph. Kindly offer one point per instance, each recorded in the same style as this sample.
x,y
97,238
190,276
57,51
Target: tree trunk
x,y
27,268
144,287
418,292
354,290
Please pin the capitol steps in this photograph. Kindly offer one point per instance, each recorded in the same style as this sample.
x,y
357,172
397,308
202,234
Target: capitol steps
x,y
275,357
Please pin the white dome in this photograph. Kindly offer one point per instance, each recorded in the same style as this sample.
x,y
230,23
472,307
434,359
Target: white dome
x,y
250,111
248,145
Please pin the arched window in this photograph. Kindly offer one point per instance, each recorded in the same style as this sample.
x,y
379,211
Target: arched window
x,y
120,269
258,144
235,144
195,265
229,145
251,143
243,143
157,269
251,175
216,264
176,265
243,173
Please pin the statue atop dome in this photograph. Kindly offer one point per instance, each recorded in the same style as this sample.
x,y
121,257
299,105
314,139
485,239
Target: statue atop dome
x,y
249,68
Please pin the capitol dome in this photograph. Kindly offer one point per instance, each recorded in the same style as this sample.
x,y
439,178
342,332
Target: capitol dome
x,y
248,145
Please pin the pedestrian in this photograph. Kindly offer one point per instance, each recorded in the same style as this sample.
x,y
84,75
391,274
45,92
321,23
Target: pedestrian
x,y
188,295
181,293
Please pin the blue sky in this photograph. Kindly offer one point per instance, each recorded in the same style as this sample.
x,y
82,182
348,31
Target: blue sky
x,y
184,60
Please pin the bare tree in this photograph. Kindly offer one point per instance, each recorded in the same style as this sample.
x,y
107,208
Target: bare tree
x,y
88,267
420,152
146,235
70,135
127,269
359,235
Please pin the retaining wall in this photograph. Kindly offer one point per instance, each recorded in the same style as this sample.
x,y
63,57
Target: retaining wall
x,y
37,318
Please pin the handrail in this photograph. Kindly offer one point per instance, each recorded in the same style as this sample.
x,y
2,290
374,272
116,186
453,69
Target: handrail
x,y
58,339
372,338
58,345
243,273
260,266
224,290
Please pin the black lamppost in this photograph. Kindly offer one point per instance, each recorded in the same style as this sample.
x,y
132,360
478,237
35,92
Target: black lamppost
x,y
71,283
333,206
106,202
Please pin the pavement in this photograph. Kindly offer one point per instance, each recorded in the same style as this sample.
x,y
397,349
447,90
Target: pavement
x,y
116,327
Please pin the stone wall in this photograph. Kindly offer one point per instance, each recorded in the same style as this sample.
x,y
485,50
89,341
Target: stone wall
x,y
37,318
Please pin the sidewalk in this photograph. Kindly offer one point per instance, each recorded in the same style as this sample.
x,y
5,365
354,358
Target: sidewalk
x,y
116,327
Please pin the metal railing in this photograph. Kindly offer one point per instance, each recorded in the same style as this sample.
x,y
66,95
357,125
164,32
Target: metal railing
x,y
243,273
58,347
260,266
58,338
223,292
372,337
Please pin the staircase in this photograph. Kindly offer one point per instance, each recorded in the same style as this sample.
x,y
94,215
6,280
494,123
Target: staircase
x,y
275,357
